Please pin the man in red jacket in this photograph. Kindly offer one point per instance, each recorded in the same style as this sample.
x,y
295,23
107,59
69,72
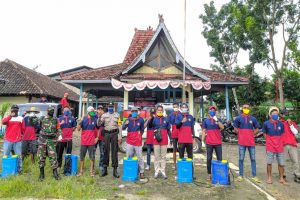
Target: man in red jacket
x,y
289,140
64,101
13,134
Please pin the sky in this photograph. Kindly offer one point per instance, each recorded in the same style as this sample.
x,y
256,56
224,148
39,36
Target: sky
x,y
56,35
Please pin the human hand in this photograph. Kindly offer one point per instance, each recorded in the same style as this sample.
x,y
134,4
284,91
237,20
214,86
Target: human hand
x,y
289,121
215,118
119,141
184,120
62,122
203,144
59,138
127,122
96,140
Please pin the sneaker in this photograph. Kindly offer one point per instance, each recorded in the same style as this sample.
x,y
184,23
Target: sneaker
x,y
147,167
156,175
255,179
164,175
240,179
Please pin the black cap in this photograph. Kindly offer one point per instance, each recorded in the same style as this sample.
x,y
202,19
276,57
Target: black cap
x,y
284,111
14,107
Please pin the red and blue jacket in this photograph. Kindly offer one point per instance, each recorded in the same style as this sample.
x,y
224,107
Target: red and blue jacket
x,y
274,131
163,124
135,130
172,120
246,124
186,129
213,133
14,129
67,127
29,129
89,131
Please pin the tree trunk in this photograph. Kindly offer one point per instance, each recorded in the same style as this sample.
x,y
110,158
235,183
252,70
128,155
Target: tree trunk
x,y
236,100
280,88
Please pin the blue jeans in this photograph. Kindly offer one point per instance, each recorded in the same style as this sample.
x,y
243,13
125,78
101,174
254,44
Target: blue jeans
x,y
149,148
101,150
17,147
242,150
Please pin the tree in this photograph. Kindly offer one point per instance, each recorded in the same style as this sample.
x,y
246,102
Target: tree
x,y
225,43
3,110
268,24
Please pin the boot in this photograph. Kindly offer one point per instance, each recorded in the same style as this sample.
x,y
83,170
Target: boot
x,y
55,174
42,174
104,172
115,173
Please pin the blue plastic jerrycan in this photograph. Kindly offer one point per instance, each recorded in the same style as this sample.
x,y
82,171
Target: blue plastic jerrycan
x,y
130,169
185,170
9,165
70,170
220,172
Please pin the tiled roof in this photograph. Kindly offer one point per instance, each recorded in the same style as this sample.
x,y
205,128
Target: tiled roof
x,y
140,40
220,76
101,73
20,80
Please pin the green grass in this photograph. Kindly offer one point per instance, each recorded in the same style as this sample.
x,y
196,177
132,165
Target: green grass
x,y
27,185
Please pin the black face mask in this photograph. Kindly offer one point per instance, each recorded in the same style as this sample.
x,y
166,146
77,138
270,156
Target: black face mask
x,y
51,113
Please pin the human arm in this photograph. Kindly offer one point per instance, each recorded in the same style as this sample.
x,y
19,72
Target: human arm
x,y
6,120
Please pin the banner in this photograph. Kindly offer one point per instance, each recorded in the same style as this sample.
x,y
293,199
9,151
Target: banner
x,y
197,85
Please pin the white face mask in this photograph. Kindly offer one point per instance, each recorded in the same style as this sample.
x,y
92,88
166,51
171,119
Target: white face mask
x,y
184,110
176,109
31,114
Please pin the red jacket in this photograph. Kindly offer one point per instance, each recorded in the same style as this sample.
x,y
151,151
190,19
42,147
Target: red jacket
x,y
64,102
13,131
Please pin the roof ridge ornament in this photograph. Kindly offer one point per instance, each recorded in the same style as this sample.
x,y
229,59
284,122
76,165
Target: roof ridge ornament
x,y
161,19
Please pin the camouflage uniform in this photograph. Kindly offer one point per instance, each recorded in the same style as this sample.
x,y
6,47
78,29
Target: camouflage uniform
x,y
47,141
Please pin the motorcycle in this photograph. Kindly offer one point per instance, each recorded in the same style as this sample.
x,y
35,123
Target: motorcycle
x,y
228,134
259,138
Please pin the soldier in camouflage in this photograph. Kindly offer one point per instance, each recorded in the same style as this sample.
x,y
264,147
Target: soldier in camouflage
x,y
50,133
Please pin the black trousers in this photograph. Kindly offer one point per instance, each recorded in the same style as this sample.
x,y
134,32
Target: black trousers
x,y
189,150
209,151
111,143
60,148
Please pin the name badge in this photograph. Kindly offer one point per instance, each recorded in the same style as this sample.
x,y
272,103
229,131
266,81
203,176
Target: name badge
x,y
138,124
93,123
165,122
250,122
189,119
279,128
70,121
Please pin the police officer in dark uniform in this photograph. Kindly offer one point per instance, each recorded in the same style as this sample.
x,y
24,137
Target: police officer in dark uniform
x,y
112,135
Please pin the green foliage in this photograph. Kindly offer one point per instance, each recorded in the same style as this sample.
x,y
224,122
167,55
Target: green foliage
x,y
291,86
4,107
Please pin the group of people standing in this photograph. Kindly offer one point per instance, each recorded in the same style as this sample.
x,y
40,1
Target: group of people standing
x,y
102,128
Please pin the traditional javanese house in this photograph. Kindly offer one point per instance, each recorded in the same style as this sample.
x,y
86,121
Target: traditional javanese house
x,y
151,72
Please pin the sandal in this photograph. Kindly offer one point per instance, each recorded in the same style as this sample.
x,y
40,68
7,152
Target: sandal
x,y
92,174
209,178
269,182
79,174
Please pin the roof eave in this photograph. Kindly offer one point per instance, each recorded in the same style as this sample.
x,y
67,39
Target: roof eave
x,y
87,81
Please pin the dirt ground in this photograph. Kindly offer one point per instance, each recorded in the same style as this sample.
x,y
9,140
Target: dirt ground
x,y
277,190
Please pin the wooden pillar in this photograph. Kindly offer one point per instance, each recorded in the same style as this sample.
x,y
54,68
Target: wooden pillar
x,y
80,102
183,100
125,103
201,106
227,103
169,95
191,100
